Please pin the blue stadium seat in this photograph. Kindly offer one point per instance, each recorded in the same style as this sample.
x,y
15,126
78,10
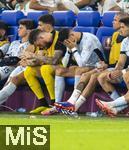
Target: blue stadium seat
x,y
106,30
107,18
12,18
88,21
35,15
64,19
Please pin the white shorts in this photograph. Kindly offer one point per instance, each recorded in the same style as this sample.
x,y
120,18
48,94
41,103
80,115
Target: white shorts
x,y
17,71
5,71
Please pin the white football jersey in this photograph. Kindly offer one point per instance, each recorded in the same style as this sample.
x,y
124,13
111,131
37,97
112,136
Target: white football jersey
x,y
16,48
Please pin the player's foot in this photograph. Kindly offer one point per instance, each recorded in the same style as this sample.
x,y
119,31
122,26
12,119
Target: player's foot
x,y
65,105
49,111
38,110
105,108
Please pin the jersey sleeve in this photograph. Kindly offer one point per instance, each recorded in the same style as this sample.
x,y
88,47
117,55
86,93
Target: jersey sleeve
x,y
123,47
87,50
4,48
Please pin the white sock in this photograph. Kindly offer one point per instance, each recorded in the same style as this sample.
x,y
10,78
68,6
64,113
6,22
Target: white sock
x,y
7,91
114,95
79,102
76,81
120,108
75,95
118,102
59,88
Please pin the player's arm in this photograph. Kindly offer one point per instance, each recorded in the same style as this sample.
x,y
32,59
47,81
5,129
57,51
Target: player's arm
x,y
121,62
51,60
34,4
30,50
82,3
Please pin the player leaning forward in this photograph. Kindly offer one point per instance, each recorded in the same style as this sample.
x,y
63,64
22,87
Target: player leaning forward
x,y
83,50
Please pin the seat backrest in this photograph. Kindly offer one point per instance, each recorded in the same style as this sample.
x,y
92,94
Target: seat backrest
x,y
104,32
64,18
107,18
34,15
88,18
12,17
87,21
107,29
92,30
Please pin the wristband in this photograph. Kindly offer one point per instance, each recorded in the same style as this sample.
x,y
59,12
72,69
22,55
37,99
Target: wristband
x,y
74,52
74,49
123,71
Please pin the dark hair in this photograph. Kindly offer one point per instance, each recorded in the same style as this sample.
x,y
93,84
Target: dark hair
x,y
63,34
48,19
125,20
33,35
28,23
3,25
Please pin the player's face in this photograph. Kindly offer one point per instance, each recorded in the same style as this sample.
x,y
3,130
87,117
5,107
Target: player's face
x,y
124,30
42,26
2,33
22,31
116,23
44,40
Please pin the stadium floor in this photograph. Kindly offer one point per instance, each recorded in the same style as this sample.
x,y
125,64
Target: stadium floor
x,y
78,134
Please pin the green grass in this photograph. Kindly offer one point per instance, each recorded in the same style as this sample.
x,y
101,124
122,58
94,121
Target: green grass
x,y
79,134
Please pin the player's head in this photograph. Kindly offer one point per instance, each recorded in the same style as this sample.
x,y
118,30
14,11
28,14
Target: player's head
x,y
124,26
46,23
3,29
40,38
25,26
65,34
116,20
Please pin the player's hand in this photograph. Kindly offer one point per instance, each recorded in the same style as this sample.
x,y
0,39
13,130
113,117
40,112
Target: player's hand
x,y
23,63
101,66
70,44
51,9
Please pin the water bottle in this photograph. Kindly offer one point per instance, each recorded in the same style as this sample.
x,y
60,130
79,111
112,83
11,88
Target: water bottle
x,y
21,110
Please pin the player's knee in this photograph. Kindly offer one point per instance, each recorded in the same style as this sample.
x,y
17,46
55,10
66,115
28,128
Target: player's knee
x,y
101,78
60,71
93,76
79,71
28,72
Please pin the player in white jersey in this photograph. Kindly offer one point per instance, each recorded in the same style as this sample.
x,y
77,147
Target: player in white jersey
x,y
123,4
53,5
83,50
49,5
46,24
17,47
119,103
